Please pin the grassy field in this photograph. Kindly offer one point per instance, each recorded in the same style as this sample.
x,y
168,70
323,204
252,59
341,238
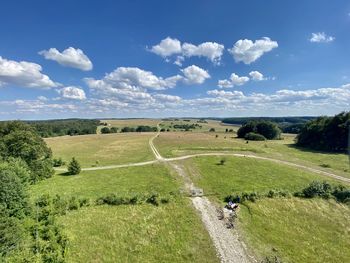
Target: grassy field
x,y
105,149
143,233
170,232
174,144
298,230
204,127
241,174
121,123
93,184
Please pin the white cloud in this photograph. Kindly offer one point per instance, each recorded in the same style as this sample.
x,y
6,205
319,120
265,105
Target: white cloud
x,y
70,57
167,47
321,37
24,74
211,50
167,98
256,75
247,51
195,75
172,46
72,92
234,80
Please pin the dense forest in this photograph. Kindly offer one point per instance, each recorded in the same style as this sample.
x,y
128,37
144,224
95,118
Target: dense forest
x,y
51,128
326,133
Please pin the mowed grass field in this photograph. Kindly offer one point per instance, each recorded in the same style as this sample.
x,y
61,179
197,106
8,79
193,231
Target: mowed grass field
x,y
295,229
103,149
121,181
240,174
170,232
172,144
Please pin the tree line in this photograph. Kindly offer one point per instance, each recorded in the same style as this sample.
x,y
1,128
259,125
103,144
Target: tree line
x,y
326,133
52,128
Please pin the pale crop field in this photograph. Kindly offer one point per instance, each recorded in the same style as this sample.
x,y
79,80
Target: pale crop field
x,y
102,149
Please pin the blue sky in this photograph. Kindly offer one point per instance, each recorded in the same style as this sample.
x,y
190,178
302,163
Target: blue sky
x,y
62,59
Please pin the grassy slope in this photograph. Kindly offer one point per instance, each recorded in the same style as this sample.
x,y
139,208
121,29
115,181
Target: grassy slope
x,y
242,174
107,149
92,184
182,143
299,230
144,233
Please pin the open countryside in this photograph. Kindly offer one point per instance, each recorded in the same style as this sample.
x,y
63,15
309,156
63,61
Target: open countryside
x,y
174,131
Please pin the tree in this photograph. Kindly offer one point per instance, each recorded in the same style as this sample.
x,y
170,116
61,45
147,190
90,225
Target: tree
x,y
267,129
105,130
114,130
19,140
74,167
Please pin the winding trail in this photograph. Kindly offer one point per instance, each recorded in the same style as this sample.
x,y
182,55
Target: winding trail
x,y
228,246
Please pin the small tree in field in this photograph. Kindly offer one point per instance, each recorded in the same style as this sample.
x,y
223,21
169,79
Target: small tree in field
x,y
74,167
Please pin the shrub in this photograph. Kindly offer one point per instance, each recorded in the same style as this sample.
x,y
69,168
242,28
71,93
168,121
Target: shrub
x,y
211,130
74,167
114,130
153,199
268,129
316,189
254,137
58,162
105,130
222,161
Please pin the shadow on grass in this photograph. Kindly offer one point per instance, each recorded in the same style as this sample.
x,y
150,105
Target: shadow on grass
x,y
65,174
304,149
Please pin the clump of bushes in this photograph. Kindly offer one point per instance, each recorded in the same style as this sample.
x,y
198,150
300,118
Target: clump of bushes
x,y
113,199
252,136
326,191
267,129
254,196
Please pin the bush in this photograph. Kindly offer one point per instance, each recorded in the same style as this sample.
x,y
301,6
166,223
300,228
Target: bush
x,y
114,130
58,162
251,136
74,167
317,189
211,130
105,130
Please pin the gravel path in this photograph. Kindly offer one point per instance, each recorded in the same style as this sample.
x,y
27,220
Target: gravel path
x,y
228,246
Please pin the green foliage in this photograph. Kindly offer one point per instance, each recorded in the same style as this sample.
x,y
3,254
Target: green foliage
x,y
317,189
58,162
326,133
52,128
113,199
251,136
282,120
212,130
141,128
267,129
13,194
19,140
11,232
74,167
105,130
114,130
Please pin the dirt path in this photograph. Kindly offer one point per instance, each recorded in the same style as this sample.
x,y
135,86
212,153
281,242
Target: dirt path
x,y
228,246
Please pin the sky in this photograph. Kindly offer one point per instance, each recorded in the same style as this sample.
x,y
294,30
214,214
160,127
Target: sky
x,y
128,59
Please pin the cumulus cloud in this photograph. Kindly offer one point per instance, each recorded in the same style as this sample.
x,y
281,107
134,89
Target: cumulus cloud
x,y
321,37
256,76
167,47
195,75
234,80
24,74
247,51
172,46
72,92
70,57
